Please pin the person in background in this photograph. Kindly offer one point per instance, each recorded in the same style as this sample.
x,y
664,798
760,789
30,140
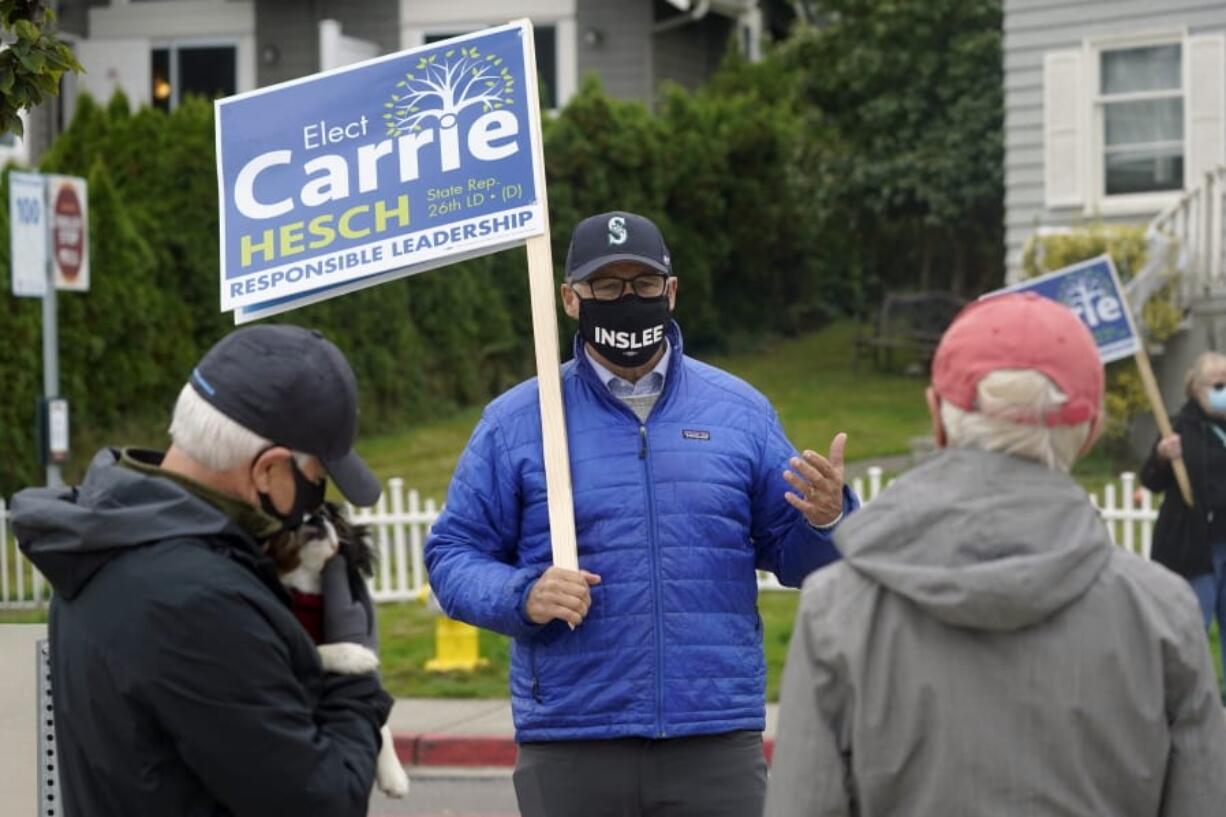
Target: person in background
x,y
983,648
1192,541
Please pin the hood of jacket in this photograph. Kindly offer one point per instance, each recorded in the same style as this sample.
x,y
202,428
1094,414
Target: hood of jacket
x,y
979,539
71,533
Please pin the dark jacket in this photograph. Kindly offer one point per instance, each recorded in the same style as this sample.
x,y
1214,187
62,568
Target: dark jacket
x,y
1181,534
183,684
675,514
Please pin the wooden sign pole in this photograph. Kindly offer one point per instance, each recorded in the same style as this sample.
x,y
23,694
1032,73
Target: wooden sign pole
x,y
1164,422
548,363
1151,384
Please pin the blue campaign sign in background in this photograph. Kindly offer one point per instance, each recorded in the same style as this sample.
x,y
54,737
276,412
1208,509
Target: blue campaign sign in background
x,y
1092,290
375,171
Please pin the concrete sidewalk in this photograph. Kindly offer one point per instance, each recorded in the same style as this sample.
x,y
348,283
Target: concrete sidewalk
x,y
441,732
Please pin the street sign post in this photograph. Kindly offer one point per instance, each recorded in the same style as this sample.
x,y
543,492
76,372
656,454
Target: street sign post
x,y
49,233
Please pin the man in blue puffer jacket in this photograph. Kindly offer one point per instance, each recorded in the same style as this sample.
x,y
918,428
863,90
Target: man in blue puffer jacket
x,y
637,683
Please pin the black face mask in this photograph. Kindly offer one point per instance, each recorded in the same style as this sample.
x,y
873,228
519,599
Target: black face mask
x,y
308,496
626,332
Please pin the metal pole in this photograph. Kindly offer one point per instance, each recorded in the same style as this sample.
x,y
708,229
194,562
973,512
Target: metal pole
x,y
51,347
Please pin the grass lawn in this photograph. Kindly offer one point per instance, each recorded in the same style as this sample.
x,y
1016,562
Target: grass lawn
x,y
407,630
809,379
812,384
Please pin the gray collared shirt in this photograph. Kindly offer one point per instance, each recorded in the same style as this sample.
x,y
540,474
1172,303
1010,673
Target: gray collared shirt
x,y
640,396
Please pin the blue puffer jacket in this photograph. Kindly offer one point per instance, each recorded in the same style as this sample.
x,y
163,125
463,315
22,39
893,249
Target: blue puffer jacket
x,y
674,514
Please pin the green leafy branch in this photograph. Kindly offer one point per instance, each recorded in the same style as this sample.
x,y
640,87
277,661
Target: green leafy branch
x,y
30,66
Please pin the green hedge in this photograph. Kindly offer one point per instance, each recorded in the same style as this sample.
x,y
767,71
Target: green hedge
x,y
715,168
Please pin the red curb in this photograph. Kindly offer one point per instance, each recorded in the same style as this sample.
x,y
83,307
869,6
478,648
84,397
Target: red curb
x,y
425,749
455,750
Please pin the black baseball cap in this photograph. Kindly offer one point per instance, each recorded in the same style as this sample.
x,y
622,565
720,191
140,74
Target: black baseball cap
x,y
292,386
616,236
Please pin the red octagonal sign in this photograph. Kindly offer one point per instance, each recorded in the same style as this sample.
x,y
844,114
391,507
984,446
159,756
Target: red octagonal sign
x,y
68,228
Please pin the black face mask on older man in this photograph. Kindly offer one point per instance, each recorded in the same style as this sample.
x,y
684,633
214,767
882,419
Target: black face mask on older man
x,y
626,332
308,496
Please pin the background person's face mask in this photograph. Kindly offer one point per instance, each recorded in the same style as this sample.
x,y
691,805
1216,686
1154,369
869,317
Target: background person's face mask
x,y
626,332
1216,399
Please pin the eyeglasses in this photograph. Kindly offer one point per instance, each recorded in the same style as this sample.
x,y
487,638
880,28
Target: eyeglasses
x,y
648,285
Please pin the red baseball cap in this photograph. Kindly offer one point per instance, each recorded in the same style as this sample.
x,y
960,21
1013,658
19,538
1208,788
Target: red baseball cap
x,y
1021,331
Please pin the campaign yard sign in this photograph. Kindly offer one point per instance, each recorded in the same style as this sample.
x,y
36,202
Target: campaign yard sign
x,y
371,172
1092,290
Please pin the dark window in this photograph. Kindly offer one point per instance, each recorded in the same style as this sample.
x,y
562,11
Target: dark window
x,y
545,41
1142,111
207,71
162,89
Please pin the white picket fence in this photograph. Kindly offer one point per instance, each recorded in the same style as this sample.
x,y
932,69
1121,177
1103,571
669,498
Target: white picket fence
x,y
401,520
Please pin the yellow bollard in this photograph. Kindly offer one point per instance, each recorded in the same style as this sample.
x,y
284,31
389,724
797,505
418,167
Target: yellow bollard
x,y
456,647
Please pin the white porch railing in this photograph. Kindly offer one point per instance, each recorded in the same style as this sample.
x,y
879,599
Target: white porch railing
x,y
400,522
1194,222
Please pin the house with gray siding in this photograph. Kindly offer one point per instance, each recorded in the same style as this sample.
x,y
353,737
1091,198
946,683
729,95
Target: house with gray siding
x,y
1113,109
1115,112
158,51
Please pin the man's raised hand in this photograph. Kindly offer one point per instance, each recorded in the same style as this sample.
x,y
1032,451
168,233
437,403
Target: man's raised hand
x,y
818,482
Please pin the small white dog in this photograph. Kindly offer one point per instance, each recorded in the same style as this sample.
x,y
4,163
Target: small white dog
x,y
300,558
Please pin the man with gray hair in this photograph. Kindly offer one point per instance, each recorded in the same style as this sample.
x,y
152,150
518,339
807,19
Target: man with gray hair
x,y
984,649
183,683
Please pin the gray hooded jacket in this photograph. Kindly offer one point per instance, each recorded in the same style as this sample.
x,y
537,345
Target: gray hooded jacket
x,y
985,651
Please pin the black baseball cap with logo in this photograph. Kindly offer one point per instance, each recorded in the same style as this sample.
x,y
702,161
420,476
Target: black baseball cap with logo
x,y
616,236
292,386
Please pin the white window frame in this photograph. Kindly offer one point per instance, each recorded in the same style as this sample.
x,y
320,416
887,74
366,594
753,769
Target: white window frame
x,y
565,31
173,44
1097,202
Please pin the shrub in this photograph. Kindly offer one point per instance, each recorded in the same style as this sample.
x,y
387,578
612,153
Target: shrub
x,y
715,169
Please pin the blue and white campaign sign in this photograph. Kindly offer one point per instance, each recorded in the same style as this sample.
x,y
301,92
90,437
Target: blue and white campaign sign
x,y
375,171
1092,290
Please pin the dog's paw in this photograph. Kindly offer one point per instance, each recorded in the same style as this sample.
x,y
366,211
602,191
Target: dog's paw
x,y
390,776
348,659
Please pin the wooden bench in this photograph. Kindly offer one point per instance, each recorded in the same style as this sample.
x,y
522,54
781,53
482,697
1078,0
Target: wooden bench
x,y
910,323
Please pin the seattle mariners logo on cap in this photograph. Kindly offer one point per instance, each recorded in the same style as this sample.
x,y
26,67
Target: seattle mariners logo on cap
x,y
617,230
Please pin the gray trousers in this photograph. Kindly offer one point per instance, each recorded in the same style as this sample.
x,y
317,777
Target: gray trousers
x,y
705,776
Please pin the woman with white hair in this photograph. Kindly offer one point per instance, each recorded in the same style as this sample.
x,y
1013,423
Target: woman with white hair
x,y
1192,541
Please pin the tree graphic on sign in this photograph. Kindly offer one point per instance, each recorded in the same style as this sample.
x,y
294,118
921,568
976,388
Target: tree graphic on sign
x,y
1081,293
440,89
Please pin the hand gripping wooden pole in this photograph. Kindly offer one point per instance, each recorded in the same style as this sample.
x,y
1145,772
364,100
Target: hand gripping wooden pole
x,y
1164,422
548,365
